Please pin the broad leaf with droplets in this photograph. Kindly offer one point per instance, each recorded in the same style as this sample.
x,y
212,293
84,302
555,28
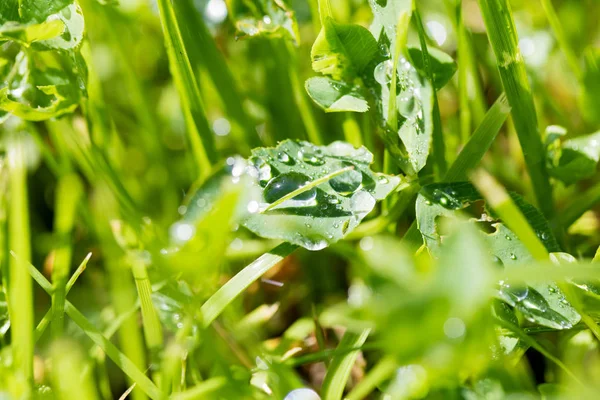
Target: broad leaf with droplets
x,y
335,96
322,214
271,18
542,303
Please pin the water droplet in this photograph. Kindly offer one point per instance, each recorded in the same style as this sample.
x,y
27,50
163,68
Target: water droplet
x,y
384,50
333,200
264,170
428,202
181,210
267,20
496,260
302,394
347,183
383,72
551,289
454,328
507,237
312,159
366,243
383,180
182,231
285,158
252,207
287,183
308,225
513,256
445,200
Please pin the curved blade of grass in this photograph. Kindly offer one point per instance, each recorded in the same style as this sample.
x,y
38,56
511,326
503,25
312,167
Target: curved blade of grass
x,y
215,305
120,359
203,51
341,365
199,134
502,34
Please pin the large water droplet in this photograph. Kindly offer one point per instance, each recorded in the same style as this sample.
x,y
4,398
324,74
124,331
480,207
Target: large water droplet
x,y
312,158
287,183
383,72
347,183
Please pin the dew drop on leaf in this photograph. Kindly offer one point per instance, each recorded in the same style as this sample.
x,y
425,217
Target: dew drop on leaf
x,y
347,183
287,183
284,158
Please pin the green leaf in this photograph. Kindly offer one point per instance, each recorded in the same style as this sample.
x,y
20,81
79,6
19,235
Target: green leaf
x,y
442,65
335,96
342,51
50,28
414,108
575,159
270,18
35,89
335,191
385,18
542,303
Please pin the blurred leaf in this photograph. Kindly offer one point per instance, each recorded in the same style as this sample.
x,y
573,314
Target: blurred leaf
x,y
544,303
271,18
62,29
385,18
589,97
342,51
4,318
336,96
339,191
442,65
43,85
574,159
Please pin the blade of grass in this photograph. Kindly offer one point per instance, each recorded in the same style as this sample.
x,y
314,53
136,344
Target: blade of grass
x,y
199,133
439,147
203,51
45,321
502,34
20,293
68,192
215,305
563,42
68,363
120,359
577,207
379,373
341,365
480,142
201,390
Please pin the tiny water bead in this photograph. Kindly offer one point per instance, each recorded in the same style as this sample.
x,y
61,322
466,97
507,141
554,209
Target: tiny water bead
x,y
287,183
285,158
513,256
302,394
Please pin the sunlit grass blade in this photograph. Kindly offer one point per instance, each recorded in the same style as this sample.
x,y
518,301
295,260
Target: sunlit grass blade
x,y
198,129
20,293
341,366
67,363
502,34
215,305
578,206
68,193
120,359
202,51
201,390
480,142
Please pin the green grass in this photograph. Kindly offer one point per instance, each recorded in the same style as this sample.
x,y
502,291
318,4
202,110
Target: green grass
x,y
161,239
